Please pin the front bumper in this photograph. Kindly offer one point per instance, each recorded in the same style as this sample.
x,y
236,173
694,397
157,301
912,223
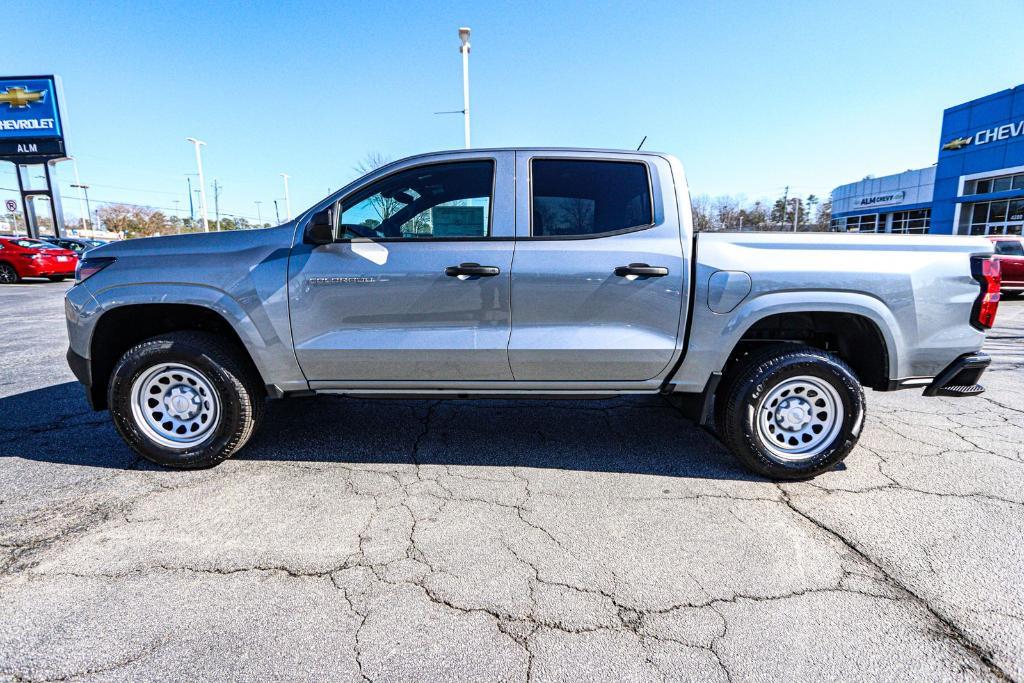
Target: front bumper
x,y
960,378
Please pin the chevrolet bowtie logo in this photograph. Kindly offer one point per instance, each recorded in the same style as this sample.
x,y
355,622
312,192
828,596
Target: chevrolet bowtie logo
x,y
958,143
17,97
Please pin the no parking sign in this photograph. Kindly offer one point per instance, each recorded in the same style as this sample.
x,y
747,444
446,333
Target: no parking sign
x,y
11,205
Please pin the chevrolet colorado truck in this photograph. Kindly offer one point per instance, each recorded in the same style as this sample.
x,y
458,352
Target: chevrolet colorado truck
x,y
527,273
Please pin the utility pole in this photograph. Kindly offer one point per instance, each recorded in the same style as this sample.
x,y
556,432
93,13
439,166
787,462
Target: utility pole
x,y
85,188
216,203
202,183
287,198
785,203
191,206
464,49
277,213
796,212
259,216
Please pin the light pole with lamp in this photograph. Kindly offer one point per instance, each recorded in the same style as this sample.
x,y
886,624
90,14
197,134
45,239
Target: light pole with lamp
x,y
464,49
202,183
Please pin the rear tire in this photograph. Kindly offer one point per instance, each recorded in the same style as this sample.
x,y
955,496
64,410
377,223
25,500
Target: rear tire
x,y
790,411
185,399
8,275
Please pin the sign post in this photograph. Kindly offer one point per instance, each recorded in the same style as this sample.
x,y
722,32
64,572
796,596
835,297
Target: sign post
x,y
32,134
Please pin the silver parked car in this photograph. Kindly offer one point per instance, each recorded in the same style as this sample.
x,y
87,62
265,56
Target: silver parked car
x,y
526,272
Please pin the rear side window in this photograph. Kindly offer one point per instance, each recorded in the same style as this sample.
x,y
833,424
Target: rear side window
x,y
1009,248
582,198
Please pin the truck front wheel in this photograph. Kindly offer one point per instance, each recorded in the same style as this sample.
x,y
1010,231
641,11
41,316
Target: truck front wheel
x,y
185,399
790,411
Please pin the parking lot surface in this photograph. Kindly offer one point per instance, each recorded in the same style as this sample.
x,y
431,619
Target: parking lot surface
x,y
503,540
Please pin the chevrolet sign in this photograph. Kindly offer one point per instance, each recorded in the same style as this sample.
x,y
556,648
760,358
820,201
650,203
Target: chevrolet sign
x,y
986,135
30,119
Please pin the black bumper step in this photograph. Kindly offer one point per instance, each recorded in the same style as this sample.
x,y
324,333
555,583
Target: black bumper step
x,y
960,378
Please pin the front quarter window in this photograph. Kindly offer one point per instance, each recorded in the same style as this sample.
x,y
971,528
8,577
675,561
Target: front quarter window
x,y
447,201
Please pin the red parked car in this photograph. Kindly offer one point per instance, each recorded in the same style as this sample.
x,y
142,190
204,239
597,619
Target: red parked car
x,y
24,257
1010,252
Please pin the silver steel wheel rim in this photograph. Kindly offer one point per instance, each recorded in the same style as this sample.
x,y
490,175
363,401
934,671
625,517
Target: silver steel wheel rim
x,y
799,418
175,405
7,274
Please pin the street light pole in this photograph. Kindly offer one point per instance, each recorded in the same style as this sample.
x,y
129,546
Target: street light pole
x,y
287,198
202,182
80,187
464,49
81,207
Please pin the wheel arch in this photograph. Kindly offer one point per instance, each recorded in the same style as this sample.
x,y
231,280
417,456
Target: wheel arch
x,y
120,327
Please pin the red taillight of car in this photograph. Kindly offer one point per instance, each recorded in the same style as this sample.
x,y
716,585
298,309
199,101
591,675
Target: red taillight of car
x,y
986,271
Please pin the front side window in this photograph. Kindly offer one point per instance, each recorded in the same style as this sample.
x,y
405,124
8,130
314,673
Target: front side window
x,y
582,198
449,200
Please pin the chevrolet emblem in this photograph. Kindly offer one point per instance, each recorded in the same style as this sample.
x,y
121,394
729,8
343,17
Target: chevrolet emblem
x,y
958,143
18,97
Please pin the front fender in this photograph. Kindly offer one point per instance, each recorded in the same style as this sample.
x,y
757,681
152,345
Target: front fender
x,y
270,351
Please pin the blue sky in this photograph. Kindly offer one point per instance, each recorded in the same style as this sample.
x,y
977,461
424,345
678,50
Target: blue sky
x,y
751,96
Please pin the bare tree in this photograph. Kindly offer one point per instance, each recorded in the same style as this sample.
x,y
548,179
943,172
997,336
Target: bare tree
x,y
385,207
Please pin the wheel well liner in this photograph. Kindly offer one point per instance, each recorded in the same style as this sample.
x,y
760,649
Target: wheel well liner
x,y
854,338
123,327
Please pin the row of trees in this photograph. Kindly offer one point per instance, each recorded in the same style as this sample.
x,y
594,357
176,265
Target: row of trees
x,y
138,221
727,212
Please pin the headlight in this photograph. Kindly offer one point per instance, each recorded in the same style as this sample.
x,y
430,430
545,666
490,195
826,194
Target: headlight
x,y
87,267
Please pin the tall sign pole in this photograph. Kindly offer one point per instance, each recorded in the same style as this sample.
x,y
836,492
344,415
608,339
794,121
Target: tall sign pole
x,y
464,49
202,181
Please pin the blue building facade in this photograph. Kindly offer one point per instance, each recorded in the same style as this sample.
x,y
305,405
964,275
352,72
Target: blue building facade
x,y
975,188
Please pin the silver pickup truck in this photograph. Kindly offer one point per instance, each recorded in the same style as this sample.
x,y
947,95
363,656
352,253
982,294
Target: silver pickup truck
x,y
526,273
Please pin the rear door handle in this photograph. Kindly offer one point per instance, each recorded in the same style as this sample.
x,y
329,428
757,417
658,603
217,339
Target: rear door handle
x,y
472,269
641,270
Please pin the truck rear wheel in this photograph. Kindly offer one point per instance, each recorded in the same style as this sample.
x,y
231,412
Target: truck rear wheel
x,y
185,399
790,412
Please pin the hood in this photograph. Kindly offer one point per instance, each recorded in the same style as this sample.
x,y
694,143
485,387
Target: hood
x,y
197,242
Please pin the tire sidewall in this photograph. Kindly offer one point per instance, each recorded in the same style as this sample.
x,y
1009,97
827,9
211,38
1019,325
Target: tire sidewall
x,y
770,374
143,357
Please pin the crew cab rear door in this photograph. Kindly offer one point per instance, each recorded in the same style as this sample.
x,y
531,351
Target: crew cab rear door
x,y
416,286
599,276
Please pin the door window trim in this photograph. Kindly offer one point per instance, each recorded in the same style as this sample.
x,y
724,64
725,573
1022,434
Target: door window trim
x,y
596,235
490,205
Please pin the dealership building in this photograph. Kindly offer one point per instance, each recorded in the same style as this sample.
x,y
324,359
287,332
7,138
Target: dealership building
x,y
975,188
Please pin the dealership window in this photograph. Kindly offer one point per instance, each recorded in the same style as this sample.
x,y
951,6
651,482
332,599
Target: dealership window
x,y
1005,217
838,224
1001,183
868,223
581,197
912,222
449,200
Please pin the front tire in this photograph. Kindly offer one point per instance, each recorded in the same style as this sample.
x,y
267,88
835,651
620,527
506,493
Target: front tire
x,y
57,278
185,399
790,412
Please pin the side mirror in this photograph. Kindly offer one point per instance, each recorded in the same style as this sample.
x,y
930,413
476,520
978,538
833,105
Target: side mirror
x,y
320,229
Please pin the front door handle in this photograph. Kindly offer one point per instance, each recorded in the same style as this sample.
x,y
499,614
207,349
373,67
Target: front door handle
x,y
641,270
472,270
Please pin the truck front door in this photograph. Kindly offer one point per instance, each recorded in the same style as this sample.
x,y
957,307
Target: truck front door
x,y
416,286
599,277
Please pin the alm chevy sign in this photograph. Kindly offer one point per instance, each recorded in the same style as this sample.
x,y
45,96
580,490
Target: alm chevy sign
x,y
882,199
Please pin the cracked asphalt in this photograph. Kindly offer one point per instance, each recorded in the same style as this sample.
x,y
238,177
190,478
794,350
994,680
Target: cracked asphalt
x,y
501,540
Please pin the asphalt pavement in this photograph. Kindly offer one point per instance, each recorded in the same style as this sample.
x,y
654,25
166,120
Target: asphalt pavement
x,y
504,540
